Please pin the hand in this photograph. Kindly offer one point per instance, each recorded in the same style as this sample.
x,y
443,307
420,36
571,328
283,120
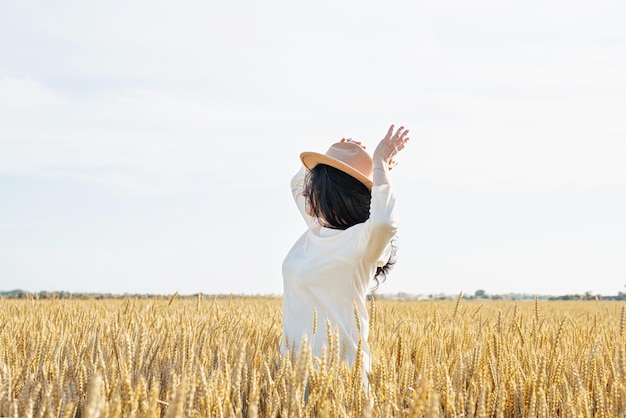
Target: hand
x,y
353,141
389,146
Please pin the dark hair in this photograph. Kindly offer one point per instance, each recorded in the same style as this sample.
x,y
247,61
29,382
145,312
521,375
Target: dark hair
x,y
342,201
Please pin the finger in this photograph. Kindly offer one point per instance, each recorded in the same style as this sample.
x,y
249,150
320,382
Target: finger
x,y
389,132
359,143
396,148
402,138
402,144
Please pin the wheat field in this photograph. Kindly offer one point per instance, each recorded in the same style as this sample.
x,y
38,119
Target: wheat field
x,y
206,357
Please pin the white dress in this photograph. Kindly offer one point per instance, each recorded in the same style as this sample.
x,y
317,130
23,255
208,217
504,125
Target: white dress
x,y
329,271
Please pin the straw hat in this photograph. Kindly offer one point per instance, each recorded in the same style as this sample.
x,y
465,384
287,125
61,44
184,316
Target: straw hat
x,y
346,156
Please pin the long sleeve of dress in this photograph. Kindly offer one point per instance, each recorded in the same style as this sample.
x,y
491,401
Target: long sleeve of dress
x,y
382,225
297,187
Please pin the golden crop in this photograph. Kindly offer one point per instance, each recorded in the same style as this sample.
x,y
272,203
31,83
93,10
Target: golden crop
x,y
220,357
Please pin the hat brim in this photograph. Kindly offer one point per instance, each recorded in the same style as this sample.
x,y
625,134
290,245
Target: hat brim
x,y
311,159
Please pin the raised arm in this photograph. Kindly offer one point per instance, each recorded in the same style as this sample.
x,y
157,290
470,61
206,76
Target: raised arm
x,y
383,218
297,187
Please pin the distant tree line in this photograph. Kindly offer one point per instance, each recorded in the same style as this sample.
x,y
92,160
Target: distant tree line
x,y
478,294
23,294
483,295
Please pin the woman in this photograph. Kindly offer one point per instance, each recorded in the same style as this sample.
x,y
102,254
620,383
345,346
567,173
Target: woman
x,y
349,207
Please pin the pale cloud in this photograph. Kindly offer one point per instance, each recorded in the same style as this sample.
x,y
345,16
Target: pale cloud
x,y
22,93
123,139
501,271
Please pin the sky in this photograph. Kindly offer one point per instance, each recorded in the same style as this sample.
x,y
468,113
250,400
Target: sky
x,y
147,146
